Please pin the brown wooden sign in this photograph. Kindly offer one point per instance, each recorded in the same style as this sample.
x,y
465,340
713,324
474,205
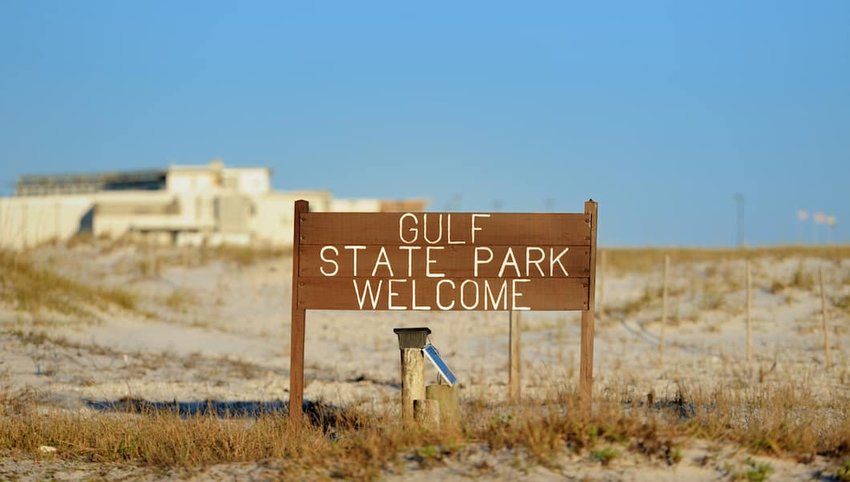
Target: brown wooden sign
x,y
439,262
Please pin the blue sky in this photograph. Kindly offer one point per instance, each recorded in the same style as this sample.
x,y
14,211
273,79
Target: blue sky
x,y
660,110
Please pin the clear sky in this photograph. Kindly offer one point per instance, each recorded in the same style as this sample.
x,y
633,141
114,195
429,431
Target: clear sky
x,y
660,110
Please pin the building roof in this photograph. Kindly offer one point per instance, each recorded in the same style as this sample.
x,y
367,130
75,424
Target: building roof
x,y
152,179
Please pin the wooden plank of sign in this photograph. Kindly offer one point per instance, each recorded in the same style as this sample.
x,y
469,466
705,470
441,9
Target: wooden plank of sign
x,y
385,229
547,294
456,261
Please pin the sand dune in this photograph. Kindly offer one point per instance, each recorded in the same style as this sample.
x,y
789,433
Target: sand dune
x,y
208,327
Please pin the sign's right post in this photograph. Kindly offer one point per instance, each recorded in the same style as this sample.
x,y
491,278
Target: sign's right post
x,y
586,368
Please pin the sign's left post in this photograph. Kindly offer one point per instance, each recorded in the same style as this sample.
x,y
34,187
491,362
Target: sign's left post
x,y
296,344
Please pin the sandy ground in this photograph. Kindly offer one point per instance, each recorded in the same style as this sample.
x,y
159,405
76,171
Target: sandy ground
x,y
218,330
699,464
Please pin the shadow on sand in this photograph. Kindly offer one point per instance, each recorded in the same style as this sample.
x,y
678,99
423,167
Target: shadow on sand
x,y
318,413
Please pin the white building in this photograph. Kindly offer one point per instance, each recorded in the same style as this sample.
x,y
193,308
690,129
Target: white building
x,y
184,205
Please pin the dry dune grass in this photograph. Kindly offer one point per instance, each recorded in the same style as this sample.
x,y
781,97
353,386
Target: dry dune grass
x,y
160,255
241,255
649,259
32,288
776,420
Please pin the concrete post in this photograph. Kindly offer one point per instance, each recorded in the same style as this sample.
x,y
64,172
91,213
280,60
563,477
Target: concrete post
x,y
411,341
447,398
427,413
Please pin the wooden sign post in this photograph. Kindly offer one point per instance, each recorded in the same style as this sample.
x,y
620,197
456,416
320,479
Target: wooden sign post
x,y
440,262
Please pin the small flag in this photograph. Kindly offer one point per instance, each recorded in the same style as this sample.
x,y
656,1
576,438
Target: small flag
x,y
802,214
820,218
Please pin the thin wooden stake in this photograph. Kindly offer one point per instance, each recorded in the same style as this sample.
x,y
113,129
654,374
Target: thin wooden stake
x,y
663,307
514,357
823,319
601,281
749,317
559,338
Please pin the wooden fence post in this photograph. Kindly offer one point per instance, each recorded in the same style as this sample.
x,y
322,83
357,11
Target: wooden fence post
x,y
663,307
749,316
514,357
826,350
296,343
587,321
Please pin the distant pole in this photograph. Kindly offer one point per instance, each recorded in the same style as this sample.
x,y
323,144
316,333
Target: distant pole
x,y
831,222
739,201
814,229
749,322
24,226
56,223
802,217
664,306
550,204
823,320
